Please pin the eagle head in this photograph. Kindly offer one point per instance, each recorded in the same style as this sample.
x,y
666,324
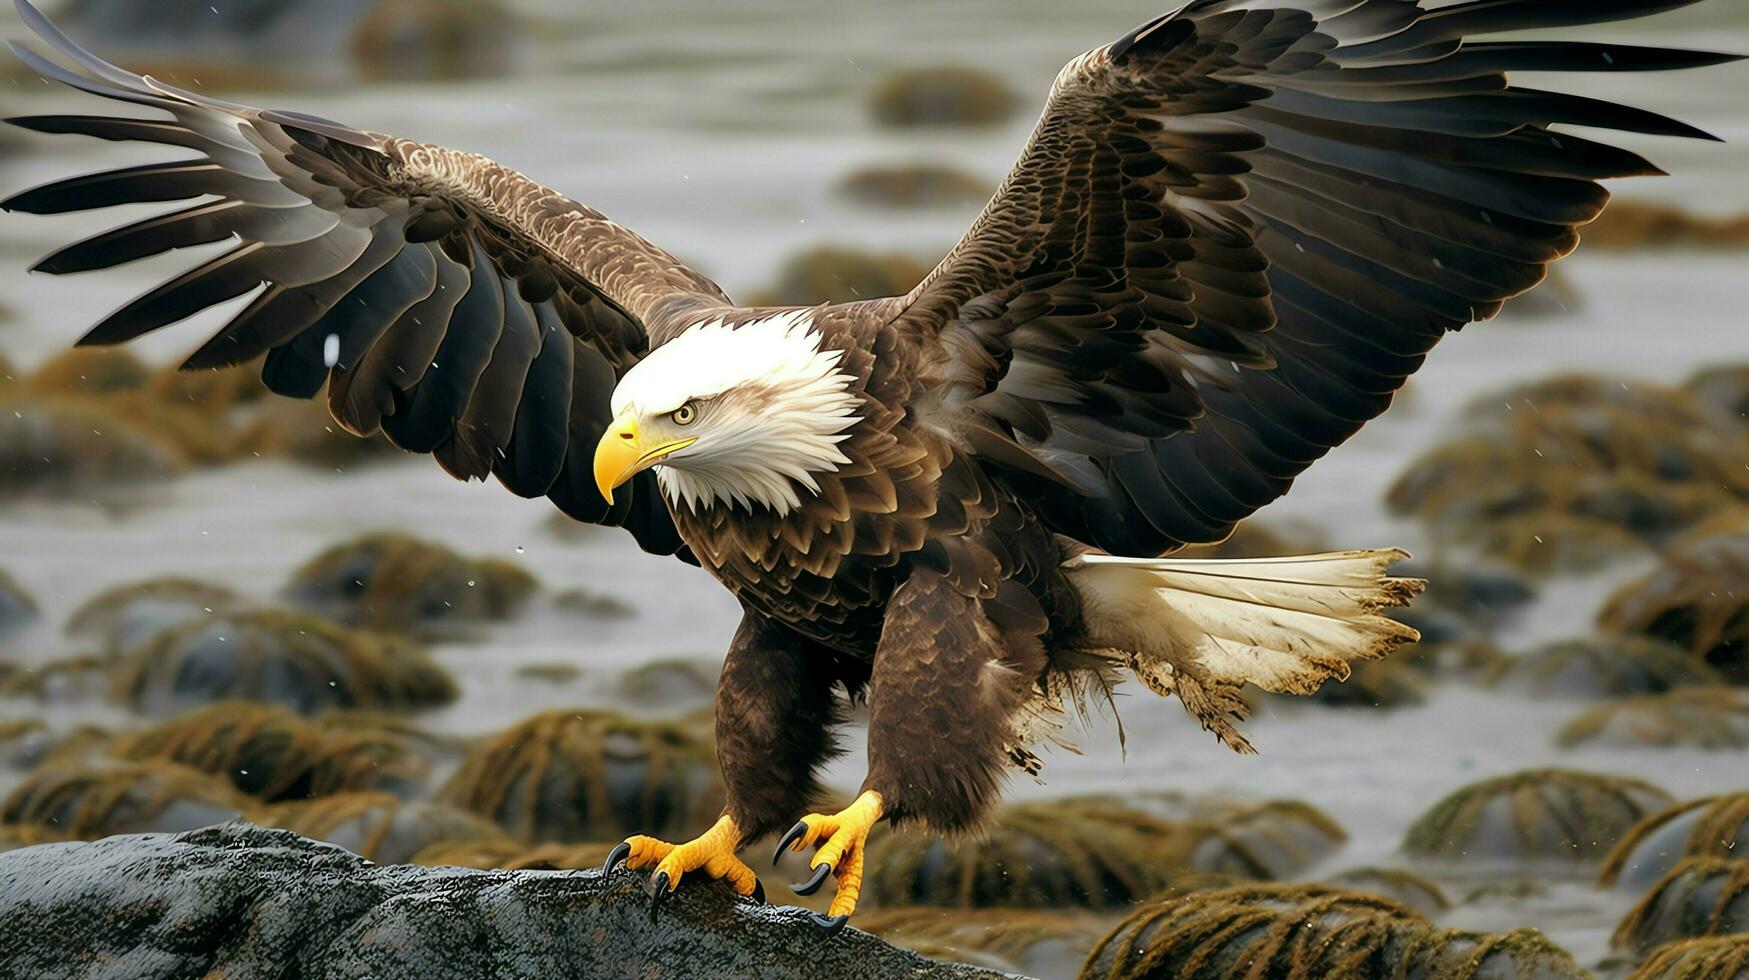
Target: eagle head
x,y
732,414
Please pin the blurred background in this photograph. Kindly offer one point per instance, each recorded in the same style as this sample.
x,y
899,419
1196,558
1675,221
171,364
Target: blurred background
x,y
212,604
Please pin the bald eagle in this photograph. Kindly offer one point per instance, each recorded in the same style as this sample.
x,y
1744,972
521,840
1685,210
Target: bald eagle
x,y
1233,234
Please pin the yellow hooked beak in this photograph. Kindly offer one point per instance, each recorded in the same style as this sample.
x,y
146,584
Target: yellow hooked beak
x,y
623,454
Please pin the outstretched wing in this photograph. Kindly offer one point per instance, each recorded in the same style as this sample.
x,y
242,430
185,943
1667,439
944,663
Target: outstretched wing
x,y
456,305
1236,231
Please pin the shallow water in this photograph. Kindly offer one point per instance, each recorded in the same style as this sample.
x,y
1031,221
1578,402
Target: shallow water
x,y
720,135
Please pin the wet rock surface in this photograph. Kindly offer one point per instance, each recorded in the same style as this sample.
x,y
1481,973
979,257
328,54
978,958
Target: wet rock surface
x,y
237,900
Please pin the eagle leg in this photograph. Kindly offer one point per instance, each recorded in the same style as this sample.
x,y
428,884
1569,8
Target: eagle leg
x,y
712,852
841,838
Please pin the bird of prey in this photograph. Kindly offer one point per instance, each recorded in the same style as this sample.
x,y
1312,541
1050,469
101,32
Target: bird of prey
x,y
1233,234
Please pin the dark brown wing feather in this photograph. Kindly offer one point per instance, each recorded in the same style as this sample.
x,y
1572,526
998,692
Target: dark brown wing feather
x,y
478,316
1236,231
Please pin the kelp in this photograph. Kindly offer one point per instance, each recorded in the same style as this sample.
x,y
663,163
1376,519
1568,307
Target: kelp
x,y
398,582
273,754
304,662
96,799
1309,932
577,776
1697,597
382,826
1712,826
1718,958
1700,896
1553,815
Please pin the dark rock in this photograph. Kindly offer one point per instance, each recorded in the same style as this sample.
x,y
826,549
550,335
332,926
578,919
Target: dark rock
x,y
1540,815
1602,667
945,96
398,582
1697,717
1697,597
242,901
1713,826
1701,896
125,615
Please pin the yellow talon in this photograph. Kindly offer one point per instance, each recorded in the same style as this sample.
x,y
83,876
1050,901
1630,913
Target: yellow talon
x,y
840,837
712,852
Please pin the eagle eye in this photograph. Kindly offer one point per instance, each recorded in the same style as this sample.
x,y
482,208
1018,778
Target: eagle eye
x,y
685,414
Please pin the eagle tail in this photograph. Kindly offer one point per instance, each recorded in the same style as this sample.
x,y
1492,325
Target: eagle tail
x,y
1203,628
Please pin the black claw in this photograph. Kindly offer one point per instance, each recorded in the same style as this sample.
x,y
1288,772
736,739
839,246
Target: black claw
x,y
758,892
659,892
813,884
794,834
616,857
830,925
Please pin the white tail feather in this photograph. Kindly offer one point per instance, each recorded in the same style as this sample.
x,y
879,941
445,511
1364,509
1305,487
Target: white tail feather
x,y
1203,628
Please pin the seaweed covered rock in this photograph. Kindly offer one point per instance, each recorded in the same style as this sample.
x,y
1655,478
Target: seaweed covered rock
x,y
120,617
944,96
1722,389
86,801
67,680
1568,473
1264,841
1090,853
1719,958
247,901
1627,223
1030,942
304,662
443,39
1372,684
1418,892
510,854
915,186
53,447
1311,931
381,826
829,274
89,371
1713,826
1697,717
272,753
1539,815
671,683
590,776
1697,598
17,608
1601,667
591,604
1701,896
398,582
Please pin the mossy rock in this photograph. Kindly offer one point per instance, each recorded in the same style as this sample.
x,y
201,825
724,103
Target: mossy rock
x,y
1539,815
1082,853
68,680
1700,896
1372,684
1602,667
381,826
17,609
1574,471
1694,717
272,753
942,96
127,614
92,800
1713,826
1722,389
830,274
1306,931
915,186
1028,942
576,776
216,392
1264,841
397,582
304,432
89,371
1473,589
1627,223
671,683
303,662
1418,892
29,743
1697,598
66,446
549,672
508,854
1719,958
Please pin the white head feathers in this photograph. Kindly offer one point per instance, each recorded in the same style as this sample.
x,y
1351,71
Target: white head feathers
x,y
771,408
